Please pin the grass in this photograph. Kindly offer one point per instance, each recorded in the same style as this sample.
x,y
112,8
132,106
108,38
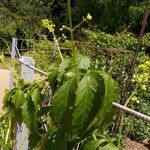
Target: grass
x,y
7,63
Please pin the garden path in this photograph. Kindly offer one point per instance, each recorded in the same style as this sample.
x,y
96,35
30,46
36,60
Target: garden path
x,y
4,83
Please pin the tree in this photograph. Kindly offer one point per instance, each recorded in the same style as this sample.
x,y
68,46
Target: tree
x,y
111,15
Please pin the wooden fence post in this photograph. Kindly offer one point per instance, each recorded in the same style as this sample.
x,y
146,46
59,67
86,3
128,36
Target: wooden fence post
x,y
13,54
28,75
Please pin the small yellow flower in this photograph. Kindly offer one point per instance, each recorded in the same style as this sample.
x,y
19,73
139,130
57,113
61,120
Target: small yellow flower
x,y
133,80
143,87
145,77
147,63
88,17
142,66
139,79
45,22
49,25
134,98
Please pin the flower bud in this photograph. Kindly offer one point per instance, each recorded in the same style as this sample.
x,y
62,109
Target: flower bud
x,y
88,17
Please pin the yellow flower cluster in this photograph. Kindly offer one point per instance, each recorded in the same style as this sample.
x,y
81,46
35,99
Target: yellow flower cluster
x,y
49,25
135,99
142,76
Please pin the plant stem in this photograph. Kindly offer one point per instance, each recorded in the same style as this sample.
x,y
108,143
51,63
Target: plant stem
x,y
58,47
132,94
70,23
120,131
78,25
122,118
9,129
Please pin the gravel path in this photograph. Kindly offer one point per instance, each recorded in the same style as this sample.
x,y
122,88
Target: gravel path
x,y
4,84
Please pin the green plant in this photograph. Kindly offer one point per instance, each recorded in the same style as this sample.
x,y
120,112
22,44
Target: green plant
x,y
138,100
81,98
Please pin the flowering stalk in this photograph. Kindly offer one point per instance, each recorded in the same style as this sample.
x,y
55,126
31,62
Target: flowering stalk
x,y
70,23
50,26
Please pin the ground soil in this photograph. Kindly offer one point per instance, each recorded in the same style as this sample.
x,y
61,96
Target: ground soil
x,y
133,145
4,84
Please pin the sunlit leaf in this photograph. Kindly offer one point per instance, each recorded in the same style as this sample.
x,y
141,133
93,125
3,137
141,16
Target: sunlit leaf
x,y
85,94
81,61
2,59
36,96
62,69
61,98
106,111
18,99
101,143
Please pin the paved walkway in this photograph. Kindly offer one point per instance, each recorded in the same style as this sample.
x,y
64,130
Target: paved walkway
x,y
4,84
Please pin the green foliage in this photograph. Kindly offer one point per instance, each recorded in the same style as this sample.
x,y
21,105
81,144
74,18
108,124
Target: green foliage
x,y
136,129
112,16
81,102
102,142
56,141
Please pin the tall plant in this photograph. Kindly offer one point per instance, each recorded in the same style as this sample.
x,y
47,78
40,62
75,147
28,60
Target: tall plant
x,y
81,102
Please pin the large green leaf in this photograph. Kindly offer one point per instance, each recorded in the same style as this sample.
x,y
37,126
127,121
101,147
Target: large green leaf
x,y
81,61
18,99
66,121
84,96
92,144
36,97
100,144
7,100
62,69
52,76
29,114
111,93
60,100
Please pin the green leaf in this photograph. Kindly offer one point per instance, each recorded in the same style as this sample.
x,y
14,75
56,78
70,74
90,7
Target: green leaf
x,y
93,144
62,69
36,96
18,99
7,100
103,142
66,121
55,141
106,111
85,94
2,59
29,114
81,61
61,98
52,76
109,146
